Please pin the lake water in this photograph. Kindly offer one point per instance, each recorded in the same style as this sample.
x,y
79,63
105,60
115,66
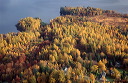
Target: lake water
x,y
13,10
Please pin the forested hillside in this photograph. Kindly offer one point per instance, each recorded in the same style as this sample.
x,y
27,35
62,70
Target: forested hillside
x,y
83,45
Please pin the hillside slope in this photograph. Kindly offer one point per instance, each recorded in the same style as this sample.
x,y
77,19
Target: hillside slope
x,y
78,47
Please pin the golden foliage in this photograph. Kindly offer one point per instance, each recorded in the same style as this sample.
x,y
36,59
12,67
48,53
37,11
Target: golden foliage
x,y
28,24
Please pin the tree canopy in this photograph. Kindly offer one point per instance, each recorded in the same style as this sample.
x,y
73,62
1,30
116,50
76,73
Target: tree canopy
x,y
28,24
72,48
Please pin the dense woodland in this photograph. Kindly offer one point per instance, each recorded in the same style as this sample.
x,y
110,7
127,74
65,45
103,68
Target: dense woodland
x,y
83,45
89,11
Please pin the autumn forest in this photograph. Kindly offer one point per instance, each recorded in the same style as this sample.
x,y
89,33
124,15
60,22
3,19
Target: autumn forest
x,y
82,45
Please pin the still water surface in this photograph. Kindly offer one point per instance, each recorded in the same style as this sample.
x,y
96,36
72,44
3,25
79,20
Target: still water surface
x,y
13,10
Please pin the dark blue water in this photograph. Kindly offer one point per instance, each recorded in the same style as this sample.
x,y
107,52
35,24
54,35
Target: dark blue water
x,y
13,10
